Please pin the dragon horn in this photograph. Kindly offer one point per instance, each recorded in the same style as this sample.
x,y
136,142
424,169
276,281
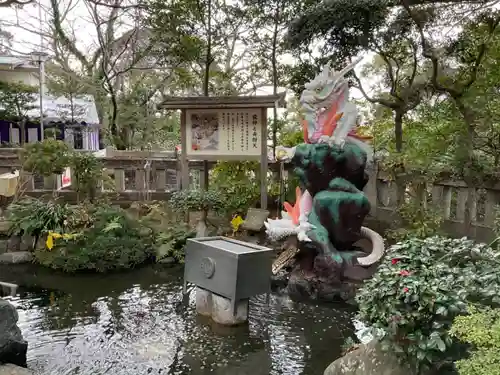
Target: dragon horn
x,y
344,71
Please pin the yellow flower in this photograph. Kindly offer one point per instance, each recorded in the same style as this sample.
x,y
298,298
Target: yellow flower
x,y
236,223
50,241
53,235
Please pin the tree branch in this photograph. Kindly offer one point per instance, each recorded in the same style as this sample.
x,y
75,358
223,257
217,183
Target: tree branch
x,y
381,101
8,3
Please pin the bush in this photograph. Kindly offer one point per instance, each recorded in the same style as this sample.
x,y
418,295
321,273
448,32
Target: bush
x,y
237,182
417,222
420,288
197,200
113,241
36,217
45,158
173,242
482,330
87,171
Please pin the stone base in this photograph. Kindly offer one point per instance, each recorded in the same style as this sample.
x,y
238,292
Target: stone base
x,y
203,302
220,309
223,313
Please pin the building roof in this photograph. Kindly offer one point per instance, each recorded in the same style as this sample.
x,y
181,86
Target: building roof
x,y
261,101
61,109
13,62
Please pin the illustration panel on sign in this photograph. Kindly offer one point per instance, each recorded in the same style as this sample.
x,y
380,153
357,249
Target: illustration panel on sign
x,y
204,131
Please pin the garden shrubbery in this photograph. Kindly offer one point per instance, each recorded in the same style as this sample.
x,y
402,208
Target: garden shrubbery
x,y
420,288
481,329
112,241
97,237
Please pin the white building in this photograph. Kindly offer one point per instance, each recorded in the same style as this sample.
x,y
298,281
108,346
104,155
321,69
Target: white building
x,y
57,111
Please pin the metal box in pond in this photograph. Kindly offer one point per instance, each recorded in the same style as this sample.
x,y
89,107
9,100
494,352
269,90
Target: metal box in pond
x,y
230,268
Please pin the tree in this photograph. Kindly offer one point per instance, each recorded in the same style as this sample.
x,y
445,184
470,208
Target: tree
x,y
16,99
122,57
5,41
382,27
469,51
270,20
222,53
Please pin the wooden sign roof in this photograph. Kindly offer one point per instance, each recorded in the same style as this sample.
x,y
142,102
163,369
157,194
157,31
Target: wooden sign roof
x,y
226,102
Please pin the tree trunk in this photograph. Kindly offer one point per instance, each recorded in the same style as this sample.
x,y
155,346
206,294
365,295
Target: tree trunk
x,y
275,77
398,130
206,80
468,170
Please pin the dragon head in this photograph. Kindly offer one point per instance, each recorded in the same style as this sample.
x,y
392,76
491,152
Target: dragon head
x,y
325,88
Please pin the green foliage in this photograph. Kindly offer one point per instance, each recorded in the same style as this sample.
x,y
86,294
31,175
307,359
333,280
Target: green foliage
x,y
15,100
172,242
45,158
293,138
482,330
34,216
421,286
417,221
87,174
113,241
238,183
197,200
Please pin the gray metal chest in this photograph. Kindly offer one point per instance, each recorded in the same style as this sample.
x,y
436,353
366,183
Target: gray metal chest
x,y
230,268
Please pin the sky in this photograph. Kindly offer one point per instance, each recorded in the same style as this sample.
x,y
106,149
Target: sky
x,y
27,22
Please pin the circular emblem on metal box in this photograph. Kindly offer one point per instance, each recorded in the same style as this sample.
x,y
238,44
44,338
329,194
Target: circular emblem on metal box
x,y
208,267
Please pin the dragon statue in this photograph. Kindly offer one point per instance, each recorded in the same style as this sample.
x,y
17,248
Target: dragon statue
x,y
328,251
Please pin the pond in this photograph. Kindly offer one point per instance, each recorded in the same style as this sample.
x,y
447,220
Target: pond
x,y
135,323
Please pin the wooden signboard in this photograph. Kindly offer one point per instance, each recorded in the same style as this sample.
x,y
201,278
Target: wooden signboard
x,y
224,128
225,133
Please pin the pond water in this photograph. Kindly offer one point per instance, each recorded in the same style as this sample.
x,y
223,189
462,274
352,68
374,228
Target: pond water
x,y
134,323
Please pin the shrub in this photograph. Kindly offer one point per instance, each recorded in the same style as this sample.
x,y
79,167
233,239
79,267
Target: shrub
x,y
237,183
172,243
197,200
417,221
113,241
419,289
45,158
35,217
482,330
87,173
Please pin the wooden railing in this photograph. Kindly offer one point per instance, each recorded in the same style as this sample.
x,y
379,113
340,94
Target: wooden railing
x,y
155,175
448,197
133,175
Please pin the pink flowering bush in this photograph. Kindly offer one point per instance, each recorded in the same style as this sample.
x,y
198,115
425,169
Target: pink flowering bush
x,y
420,287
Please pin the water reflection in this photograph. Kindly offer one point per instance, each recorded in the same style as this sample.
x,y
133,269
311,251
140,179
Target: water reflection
x,y
135,324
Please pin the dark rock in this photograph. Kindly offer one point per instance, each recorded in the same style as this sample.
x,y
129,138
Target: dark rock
x,y
167,260
368,359
303,286
14,244
13,347
4,245
279,281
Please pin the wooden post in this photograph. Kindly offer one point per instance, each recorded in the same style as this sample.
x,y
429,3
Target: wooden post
x,y
119,180
263,160
184,146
